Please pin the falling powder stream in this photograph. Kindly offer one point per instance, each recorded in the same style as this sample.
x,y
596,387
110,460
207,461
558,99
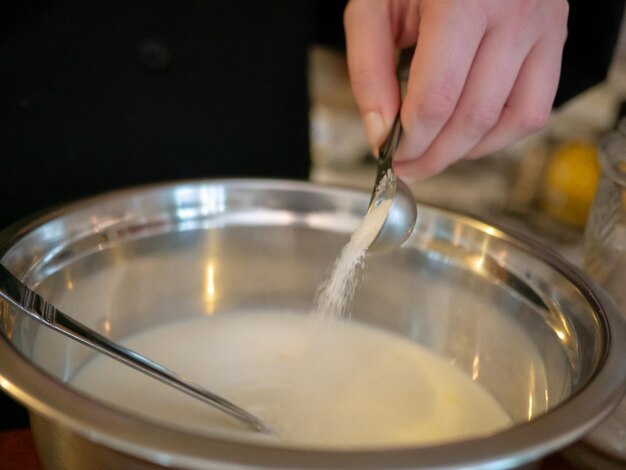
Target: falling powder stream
x,y
334,297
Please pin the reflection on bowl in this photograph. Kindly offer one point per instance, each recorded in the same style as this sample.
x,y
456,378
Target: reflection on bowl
x,y
531,330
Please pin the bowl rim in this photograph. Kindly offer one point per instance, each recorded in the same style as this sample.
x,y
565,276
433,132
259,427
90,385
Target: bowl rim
x,y
104,424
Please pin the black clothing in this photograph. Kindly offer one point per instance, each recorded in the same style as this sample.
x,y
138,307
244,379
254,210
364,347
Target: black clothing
x,y
102,94
593,31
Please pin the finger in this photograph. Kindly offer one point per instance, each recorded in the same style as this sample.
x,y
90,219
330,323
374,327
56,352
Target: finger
x,y
530,103
450,33
489,84
371,62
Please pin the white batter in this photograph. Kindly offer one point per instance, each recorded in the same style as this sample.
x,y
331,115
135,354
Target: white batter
x,y
331,383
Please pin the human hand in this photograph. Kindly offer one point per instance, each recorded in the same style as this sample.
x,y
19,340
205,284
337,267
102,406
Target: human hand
x,y
484,74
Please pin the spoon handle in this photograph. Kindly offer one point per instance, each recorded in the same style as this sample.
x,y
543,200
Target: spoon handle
x,y
389,146
385,157
28,301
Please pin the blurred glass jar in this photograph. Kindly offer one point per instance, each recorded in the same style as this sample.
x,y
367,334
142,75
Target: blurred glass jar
x,y
604,258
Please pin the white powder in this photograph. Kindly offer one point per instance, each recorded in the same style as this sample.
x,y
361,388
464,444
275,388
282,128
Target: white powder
x,y
334,297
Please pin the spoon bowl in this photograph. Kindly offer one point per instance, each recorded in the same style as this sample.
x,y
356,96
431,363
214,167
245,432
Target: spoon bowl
x,y
402,213
400,219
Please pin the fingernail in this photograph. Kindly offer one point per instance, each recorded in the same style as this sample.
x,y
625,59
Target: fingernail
x,y
374,128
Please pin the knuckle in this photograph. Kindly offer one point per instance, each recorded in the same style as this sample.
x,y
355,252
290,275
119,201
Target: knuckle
x,y
436,166
359,71
520,12
482,118
562,14
552,12
527,7
429,165
477,154
436,108
533,120
561,9
554,15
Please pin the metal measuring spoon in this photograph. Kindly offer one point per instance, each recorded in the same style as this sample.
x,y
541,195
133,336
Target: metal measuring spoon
x,y
18,294
402,214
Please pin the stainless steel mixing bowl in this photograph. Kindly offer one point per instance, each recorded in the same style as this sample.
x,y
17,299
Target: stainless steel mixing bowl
x,y
534,331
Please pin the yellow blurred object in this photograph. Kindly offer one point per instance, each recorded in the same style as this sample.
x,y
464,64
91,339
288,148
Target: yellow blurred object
x,y
570,182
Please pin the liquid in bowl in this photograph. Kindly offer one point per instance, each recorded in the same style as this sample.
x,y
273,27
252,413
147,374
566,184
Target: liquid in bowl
x,y
331,383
